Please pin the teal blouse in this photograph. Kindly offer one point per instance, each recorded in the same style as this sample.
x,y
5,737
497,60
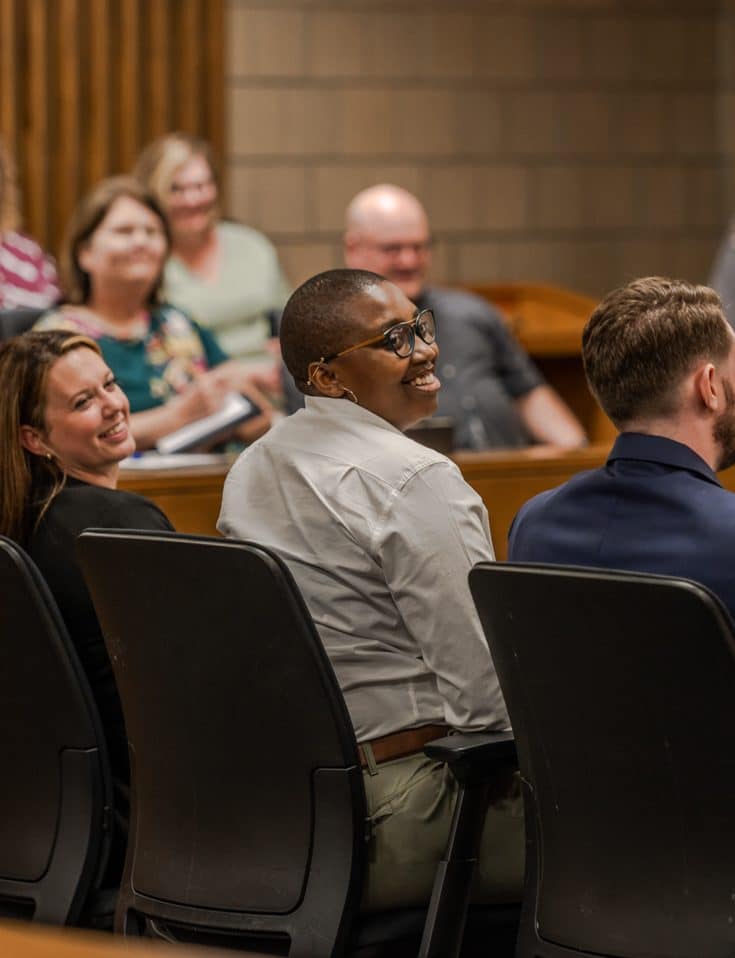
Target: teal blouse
x,y
155,367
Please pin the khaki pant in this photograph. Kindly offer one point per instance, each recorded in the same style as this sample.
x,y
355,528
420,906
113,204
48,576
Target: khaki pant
x,y
410,803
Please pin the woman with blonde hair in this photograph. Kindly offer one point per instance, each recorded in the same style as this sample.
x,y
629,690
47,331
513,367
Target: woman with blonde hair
x,y
27,274
226,275
64,428
172,371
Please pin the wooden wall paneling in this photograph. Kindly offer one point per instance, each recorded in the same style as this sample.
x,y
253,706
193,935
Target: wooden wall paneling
x,y
9,43
213,118
97,133
187,64
66,145
33,155
131,91
84,84
158,45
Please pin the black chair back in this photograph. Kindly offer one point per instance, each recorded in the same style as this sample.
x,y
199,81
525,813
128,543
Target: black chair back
x,y
13,322
621,693
55,800
248,813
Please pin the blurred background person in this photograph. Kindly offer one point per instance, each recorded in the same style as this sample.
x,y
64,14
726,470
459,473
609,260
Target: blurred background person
x,y
172,371
64,428
490,387
226,275
27,274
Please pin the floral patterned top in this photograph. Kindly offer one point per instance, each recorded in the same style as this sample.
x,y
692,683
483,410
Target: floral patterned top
x,y
152,366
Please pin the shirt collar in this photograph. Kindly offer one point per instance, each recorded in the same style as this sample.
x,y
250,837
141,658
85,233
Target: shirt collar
x,y
343,411
669,452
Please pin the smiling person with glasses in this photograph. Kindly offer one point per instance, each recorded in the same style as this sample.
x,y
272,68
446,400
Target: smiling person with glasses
x,y
171,369
226,275
371,376
401,337
380,534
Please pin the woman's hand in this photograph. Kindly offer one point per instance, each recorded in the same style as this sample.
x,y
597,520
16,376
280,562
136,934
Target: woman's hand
x,y
232,377
202,397
238,378
269,379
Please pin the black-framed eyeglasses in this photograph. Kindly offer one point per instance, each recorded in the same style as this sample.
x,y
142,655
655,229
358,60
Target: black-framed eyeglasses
x,y
401,338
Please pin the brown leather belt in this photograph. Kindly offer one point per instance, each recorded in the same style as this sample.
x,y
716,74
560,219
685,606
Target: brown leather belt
x,y
400,744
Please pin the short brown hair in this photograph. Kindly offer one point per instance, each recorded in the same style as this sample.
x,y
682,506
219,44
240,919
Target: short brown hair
x,y
157,164
644,338
88,215
28,483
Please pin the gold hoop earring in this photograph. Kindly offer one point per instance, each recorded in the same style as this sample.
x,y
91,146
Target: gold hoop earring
x,y
350,395
315,367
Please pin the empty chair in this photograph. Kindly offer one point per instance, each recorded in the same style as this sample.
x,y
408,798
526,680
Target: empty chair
x,y
248,823
620,691
55,800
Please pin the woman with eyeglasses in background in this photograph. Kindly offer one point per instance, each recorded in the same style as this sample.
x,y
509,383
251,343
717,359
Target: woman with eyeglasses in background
x,y
380,534
172,371
224,274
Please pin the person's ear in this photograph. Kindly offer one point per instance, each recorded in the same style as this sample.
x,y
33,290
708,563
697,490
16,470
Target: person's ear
x,y
83,257
325,381
32,440
705,379
351,244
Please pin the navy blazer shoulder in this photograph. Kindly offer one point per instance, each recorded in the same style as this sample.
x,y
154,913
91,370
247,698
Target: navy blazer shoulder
x,y
655,506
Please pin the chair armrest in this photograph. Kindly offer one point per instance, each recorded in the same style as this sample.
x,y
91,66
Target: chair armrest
x,y
477,760
474,757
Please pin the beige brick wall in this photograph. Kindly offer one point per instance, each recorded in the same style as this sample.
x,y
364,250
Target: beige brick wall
x,y
577,142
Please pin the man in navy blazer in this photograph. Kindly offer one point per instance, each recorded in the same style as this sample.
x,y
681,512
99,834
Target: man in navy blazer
x,y
660,358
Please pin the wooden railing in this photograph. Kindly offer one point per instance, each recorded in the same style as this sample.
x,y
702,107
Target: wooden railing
x,y
504,480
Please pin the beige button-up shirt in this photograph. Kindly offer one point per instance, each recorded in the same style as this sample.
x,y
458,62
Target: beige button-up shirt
x,y
380,534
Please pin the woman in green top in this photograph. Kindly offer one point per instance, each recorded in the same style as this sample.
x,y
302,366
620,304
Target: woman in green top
x,y
226,275
172,371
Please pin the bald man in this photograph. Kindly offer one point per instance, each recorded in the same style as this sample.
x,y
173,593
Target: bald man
x,y
490,387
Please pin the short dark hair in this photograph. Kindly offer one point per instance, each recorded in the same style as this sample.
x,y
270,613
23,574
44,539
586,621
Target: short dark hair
x,y
644,338
317,320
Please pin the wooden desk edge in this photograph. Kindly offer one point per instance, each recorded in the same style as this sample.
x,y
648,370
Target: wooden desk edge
x,y
538,460
504,480
534,459
32,940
